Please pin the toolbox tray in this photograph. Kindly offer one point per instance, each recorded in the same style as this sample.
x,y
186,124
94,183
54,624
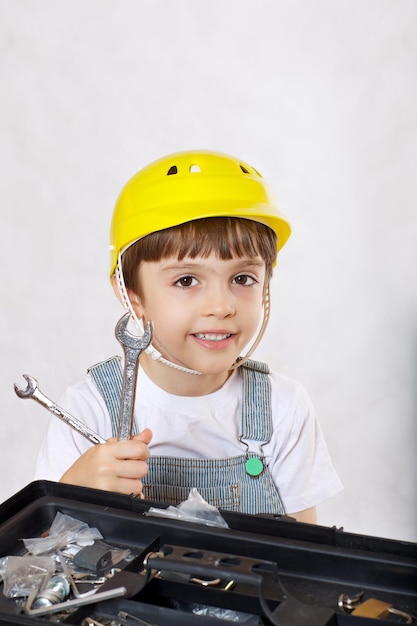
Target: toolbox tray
x,y
314,564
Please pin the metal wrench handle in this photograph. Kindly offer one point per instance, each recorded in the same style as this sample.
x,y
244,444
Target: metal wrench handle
x,y
33,391
132,348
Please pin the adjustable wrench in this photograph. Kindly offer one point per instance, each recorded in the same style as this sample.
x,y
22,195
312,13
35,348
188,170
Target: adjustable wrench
x,y
32,391
133,347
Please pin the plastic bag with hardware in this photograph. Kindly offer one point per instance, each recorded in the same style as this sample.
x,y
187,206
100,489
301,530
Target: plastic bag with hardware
x,y
25,573
64,530
229,615
194,509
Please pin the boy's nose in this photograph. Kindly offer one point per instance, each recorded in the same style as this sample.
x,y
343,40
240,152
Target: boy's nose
x,y
219,303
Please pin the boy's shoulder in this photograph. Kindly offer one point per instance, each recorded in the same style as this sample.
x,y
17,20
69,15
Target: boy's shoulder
x,y
281,384
83,385
256,366
273,375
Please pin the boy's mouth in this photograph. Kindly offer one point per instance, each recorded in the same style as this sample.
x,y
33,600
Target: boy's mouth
x,y
213,336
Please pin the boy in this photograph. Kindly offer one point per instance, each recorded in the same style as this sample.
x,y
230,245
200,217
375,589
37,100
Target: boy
x,y
194,240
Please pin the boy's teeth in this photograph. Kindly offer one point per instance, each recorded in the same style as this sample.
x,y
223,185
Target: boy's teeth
x,y
212,336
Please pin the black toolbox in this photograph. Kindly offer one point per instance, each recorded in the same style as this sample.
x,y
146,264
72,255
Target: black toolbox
x,y
280,570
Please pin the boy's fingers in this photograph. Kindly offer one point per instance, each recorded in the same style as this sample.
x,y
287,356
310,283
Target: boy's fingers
x,y
131,469
145,436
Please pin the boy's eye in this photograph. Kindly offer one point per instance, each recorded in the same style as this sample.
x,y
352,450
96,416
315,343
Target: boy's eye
x,y
186,281
244,279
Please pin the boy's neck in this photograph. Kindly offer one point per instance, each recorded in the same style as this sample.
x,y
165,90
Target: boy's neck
x,y
180,383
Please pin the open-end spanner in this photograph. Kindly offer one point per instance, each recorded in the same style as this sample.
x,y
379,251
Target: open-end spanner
x,y
32,391
132,346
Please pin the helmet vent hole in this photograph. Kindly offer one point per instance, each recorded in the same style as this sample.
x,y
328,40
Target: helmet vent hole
x,y
244,169
172,170
195,168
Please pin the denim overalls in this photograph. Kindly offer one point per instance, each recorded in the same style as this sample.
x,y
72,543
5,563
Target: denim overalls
x,y
227,483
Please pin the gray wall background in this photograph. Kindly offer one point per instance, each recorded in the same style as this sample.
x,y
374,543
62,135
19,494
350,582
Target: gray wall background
x,y
321,97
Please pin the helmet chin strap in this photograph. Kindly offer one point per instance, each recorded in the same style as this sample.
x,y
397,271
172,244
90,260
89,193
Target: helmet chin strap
x,y
267,309
154,353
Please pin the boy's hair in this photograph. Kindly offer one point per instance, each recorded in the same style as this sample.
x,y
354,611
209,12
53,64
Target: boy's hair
x,y
227,237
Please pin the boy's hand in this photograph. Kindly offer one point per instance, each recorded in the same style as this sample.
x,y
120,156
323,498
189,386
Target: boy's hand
x,y
113,466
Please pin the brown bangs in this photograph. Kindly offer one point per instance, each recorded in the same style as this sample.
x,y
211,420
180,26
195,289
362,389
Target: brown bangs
x,y
226,237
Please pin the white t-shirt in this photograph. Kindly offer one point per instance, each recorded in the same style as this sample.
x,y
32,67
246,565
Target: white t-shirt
x,y
206,427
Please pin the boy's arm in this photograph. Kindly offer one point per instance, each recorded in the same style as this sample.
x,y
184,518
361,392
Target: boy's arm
x,y
309,516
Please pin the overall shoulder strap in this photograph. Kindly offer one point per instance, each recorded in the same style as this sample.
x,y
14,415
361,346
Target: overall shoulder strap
x,y
256,419
108,377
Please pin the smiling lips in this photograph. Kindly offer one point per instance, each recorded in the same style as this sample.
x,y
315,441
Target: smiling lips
x,y
212,336
214,340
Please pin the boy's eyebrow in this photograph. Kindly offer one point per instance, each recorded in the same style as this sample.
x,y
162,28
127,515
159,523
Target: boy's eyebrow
x,y
178,265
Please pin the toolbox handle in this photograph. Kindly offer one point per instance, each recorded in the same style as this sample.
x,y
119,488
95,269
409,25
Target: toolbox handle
x,y
192,562
205,563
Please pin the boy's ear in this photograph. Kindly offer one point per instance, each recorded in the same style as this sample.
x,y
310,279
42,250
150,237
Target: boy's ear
x,y
116,288
133,297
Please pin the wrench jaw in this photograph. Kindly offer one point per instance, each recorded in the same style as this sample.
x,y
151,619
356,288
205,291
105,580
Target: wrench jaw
x,y
32,385
147,336
127,340
32,391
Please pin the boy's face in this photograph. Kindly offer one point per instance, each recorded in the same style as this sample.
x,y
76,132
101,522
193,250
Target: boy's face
x,y
204,311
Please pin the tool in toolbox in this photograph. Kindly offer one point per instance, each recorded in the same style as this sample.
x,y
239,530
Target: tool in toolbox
x,y
372,608
132,346
32,391
93,557
82,600
117,583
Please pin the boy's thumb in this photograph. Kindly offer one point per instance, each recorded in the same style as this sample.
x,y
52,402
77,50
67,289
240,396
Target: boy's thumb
x,y
145,436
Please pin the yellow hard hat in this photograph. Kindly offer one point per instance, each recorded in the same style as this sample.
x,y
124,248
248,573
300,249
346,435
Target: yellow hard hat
x,y
187,186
